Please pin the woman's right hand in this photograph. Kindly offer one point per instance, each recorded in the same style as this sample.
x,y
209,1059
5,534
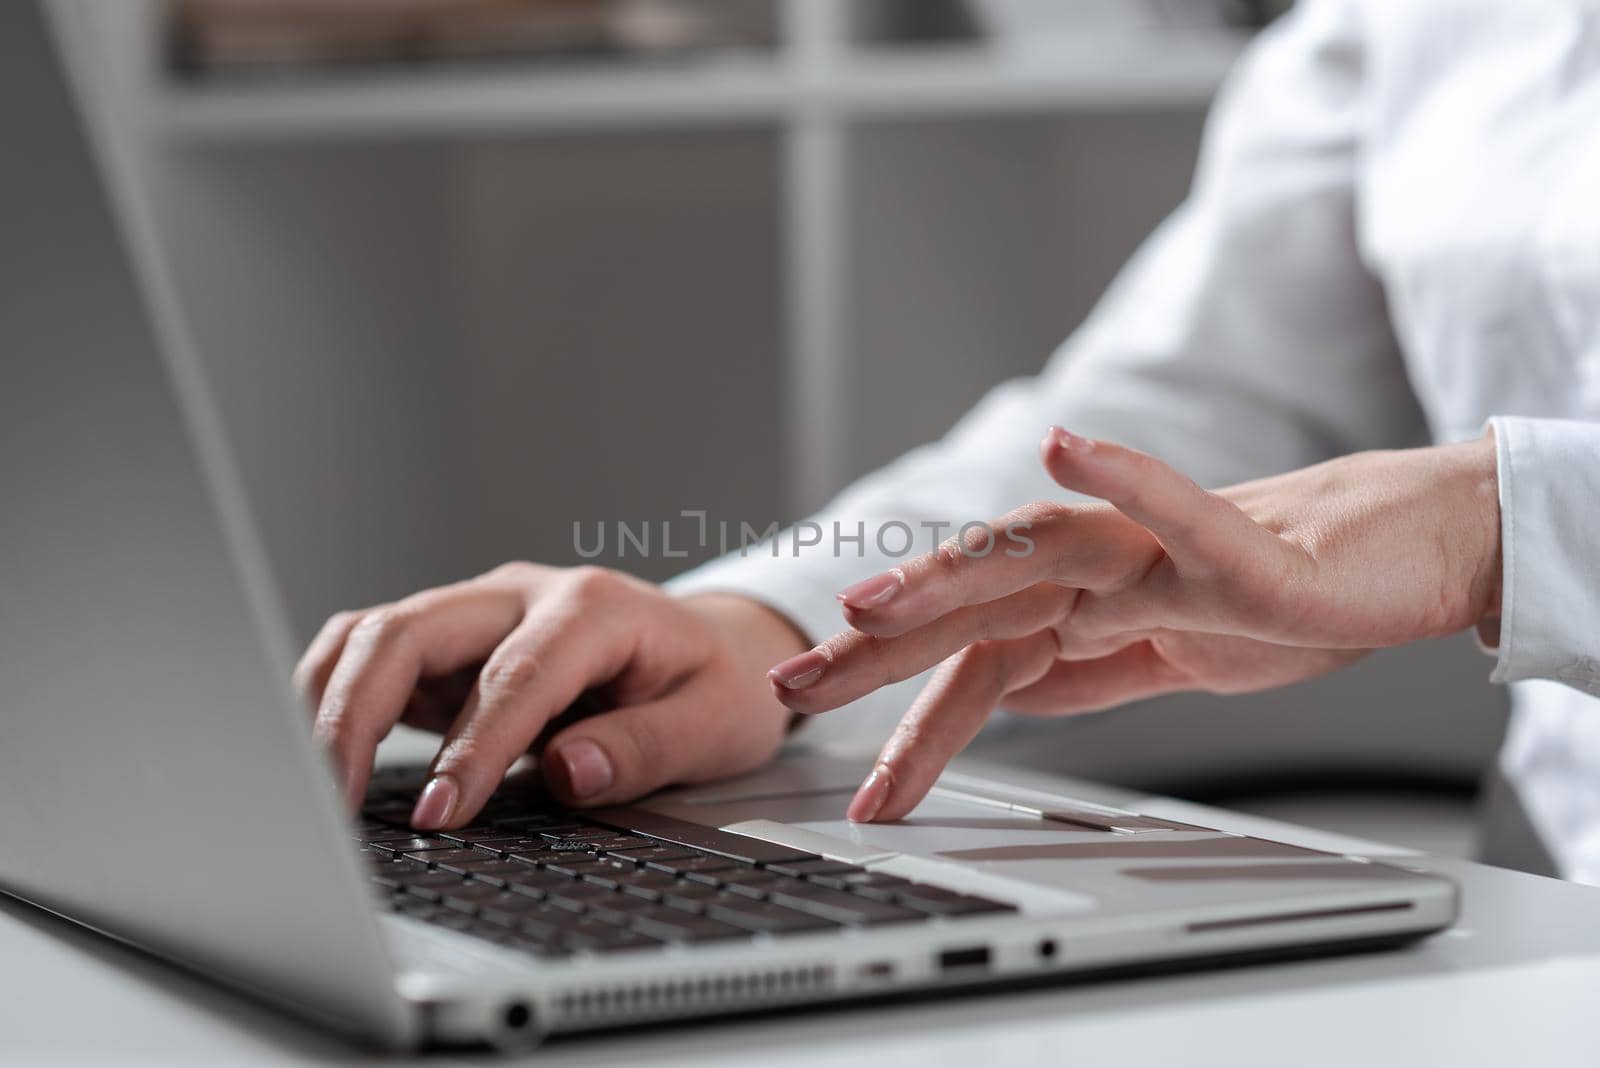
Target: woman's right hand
x,y
490,661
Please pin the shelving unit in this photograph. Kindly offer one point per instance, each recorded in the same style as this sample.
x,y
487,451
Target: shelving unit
x,y
878,84
810,225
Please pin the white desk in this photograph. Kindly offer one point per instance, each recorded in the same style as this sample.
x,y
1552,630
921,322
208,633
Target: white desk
x,y
1516,983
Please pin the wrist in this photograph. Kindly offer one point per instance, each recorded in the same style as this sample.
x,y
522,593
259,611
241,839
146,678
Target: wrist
x,y
756,636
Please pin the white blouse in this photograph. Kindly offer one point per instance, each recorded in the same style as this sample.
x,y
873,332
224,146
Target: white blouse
x,y
1393,237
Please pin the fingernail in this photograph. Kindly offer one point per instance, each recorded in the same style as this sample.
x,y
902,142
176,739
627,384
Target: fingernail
x,y
1068,441
587,767
875,591
435,803
798,672
868,802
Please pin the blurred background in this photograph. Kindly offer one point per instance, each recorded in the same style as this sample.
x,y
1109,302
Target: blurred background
x,y
463,270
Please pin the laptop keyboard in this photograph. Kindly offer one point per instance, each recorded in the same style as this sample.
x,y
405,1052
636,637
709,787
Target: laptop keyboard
x,y
531,877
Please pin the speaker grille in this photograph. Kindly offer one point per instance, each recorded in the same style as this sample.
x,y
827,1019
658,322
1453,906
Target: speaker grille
x,y
690,995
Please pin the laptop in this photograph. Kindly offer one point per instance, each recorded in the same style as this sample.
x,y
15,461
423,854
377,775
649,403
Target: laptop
x,y
159,784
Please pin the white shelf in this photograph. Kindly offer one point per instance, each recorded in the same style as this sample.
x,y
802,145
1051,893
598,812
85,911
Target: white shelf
x,y
1122,71
461,103
881,83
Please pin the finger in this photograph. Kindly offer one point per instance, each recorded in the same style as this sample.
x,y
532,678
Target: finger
x,y
851,665
317,662
945,717
389,651
628,752
1086,546
1200,531
1132,673
585,635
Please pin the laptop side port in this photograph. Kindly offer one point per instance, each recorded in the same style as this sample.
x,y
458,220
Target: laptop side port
x,y
964,958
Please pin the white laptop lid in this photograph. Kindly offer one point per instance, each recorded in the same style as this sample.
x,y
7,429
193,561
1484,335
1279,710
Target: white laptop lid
x,y
156,780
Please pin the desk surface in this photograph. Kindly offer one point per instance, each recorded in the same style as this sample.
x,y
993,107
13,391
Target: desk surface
x,y
1516,981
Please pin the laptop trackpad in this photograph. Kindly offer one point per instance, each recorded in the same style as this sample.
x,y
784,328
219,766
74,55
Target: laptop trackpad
x,y
954,829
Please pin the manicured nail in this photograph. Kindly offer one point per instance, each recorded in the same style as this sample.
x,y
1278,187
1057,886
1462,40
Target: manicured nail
x,y
1070,442
798,672
875,591
868,802
587,767
435,803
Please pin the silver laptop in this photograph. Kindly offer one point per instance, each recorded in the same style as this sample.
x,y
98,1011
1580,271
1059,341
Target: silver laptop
x,y
158,783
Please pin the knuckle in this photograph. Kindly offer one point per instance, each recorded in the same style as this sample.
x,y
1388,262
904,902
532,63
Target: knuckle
x,y
384,626
592,584
509,673
946,563
512,570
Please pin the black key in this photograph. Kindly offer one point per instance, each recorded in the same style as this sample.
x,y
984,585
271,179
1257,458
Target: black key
x,y
450,856
431,886
690,897
620,842
578,896
413,844
751,882
466,897
500,872
608,872
391,834
739,847
455,921
530,824
597,936
571,864
820,866
617,908
839,906
537,883
871,884
691,864
579,831
542,854
764,916
650,853
468,835
508,910
478,862
544,920
506,847
936,901
382,864
649,885
388,811
672,925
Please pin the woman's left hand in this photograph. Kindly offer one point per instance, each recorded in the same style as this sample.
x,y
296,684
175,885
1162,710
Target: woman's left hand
x,y
1165,587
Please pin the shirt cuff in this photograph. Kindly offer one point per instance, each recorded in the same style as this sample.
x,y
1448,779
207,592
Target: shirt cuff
x,y
1549,479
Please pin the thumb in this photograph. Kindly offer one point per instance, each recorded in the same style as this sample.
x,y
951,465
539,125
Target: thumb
x,y
628,752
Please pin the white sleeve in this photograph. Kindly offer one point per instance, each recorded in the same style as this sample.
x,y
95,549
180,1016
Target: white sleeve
x,y
1549,472
1246,337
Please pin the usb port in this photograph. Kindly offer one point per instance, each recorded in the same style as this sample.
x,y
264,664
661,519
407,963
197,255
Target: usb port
x,y
970,957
